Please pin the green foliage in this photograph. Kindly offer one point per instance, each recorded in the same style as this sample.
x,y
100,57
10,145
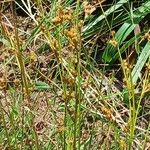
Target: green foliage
x,y
94,26
145,54
110,53
39,85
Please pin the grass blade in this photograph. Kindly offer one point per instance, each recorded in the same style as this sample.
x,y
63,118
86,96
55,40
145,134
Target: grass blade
x,y
140,63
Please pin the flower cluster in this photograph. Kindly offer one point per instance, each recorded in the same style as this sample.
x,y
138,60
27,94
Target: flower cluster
x,y
113,41
63,15
72,35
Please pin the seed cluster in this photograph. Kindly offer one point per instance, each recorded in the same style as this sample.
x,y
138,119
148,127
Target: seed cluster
x,y
63,15
113,41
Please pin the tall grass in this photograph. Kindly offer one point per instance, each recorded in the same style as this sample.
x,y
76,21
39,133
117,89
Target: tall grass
x,y
54,95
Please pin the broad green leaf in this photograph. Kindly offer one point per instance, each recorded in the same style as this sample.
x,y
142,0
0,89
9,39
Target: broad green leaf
x,y
39,85
140,63
124,31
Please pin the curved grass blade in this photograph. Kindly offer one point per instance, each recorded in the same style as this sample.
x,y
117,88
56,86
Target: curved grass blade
x,y
145,54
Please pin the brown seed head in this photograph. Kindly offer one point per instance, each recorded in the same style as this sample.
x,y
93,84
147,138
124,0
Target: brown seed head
x,y
57,20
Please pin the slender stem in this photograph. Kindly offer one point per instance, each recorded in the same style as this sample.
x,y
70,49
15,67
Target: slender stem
x,y
19,57
19,53
75,124
133,111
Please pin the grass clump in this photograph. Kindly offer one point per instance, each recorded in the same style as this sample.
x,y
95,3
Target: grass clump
x,y
74,75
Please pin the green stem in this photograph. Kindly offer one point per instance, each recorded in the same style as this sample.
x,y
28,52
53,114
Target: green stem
x,y
19,53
